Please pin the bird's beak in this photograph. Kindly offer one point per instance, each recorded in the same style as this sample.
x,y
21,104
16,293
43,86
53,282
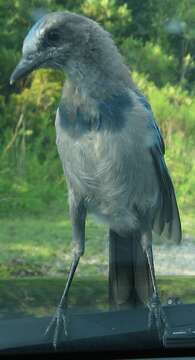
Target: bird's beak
x,y
25,67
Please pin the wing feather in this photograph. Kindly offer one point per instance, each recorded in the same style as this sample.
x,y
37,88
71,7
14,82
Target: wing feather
x,y
167,220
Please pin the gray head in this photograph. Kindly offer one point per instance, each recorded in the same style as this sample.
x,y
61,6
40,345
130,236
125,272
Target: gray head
x,y
73,43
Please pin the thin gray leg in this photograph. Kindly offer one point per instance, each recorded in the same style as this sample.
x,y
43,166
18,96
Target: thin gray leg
x,y
155,309
78,217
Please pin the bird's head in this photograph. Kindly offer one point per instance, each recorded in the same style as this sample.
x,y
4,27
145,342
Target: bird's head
x,y
80,47
55,40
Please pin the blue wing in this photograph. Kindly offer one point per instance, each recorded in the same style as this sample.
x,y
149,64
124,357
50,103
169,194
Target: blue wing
x,y
167,220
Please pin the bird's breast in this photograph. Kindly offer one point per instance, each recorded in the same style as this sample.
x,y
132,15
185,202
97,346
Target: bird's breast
x,y
83,162
111,170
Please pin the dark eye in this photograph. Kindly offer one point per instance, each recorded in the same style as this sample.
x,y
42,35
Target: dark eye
x,y
53,36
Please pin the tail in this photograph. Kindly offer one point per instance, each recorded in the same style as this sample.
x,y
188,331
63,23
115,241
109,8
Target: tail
x,y
129,276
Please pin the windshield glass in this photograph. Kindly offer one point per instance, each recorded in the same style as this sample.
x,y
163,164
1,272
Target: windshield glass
x,y
97,174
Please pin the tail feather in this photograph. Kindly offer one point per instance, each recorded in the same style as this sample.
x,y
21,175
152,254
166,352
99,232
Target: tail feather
x,y
129,274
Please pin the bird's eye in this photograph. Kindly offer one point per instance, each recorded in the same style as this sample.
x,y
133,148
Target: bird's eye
x,y
53,36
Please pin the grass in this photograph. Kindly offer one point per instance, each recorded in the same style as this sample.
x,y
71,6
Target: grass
x,y
41,246
35,256
39,296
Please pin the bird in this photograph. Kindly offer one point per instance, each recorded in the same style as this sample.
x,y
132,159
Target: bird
x,y
112,154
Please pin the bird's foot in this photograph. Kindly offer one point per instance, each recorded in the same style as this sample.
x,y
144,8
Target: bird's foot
x,y
157,316
59,323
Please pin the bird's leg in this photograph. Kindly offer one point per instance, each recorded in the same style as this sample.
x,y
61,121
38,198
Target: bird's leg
x,y
156,311
59,320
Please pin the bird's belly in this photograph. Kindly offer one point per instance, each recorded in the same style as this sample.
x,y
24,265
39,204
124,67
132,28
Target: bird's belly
x,y
110,179
111,201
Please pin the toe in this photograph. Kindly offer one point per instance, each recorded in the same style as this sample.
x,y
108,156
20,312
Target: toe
x,y
52,322
56,332
59,323
64,325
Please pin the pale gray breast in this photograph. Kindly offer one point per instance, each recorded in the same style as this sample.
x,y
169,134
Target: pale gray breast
x,y
85,161
111,170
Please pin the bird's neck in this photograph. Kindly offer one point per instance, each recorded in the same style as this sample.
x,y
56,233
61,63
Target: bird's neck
x,y
81,106
98,80
80,113
94,82
75,98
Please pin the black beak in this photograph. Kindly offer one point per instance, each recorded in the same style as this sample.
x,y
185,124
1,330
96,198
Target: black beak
x,y
25,67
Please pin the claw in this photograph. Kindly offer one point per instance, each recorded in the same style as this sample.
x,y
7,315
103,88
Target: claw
x,y
64,325
49,326
157,314
58,321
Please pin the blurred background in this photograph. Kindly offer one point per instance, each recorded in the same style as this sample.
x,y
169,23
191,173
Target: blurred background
x,y
157,40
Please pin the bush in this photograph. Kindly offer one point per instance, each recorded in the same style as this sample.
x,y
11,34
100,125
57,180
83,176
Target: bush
x,y
150,59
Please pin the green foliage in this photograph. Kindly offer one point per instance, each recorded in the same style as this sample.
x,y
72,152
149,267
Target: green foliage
x,y
115,18
150,59
32,187
29,140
